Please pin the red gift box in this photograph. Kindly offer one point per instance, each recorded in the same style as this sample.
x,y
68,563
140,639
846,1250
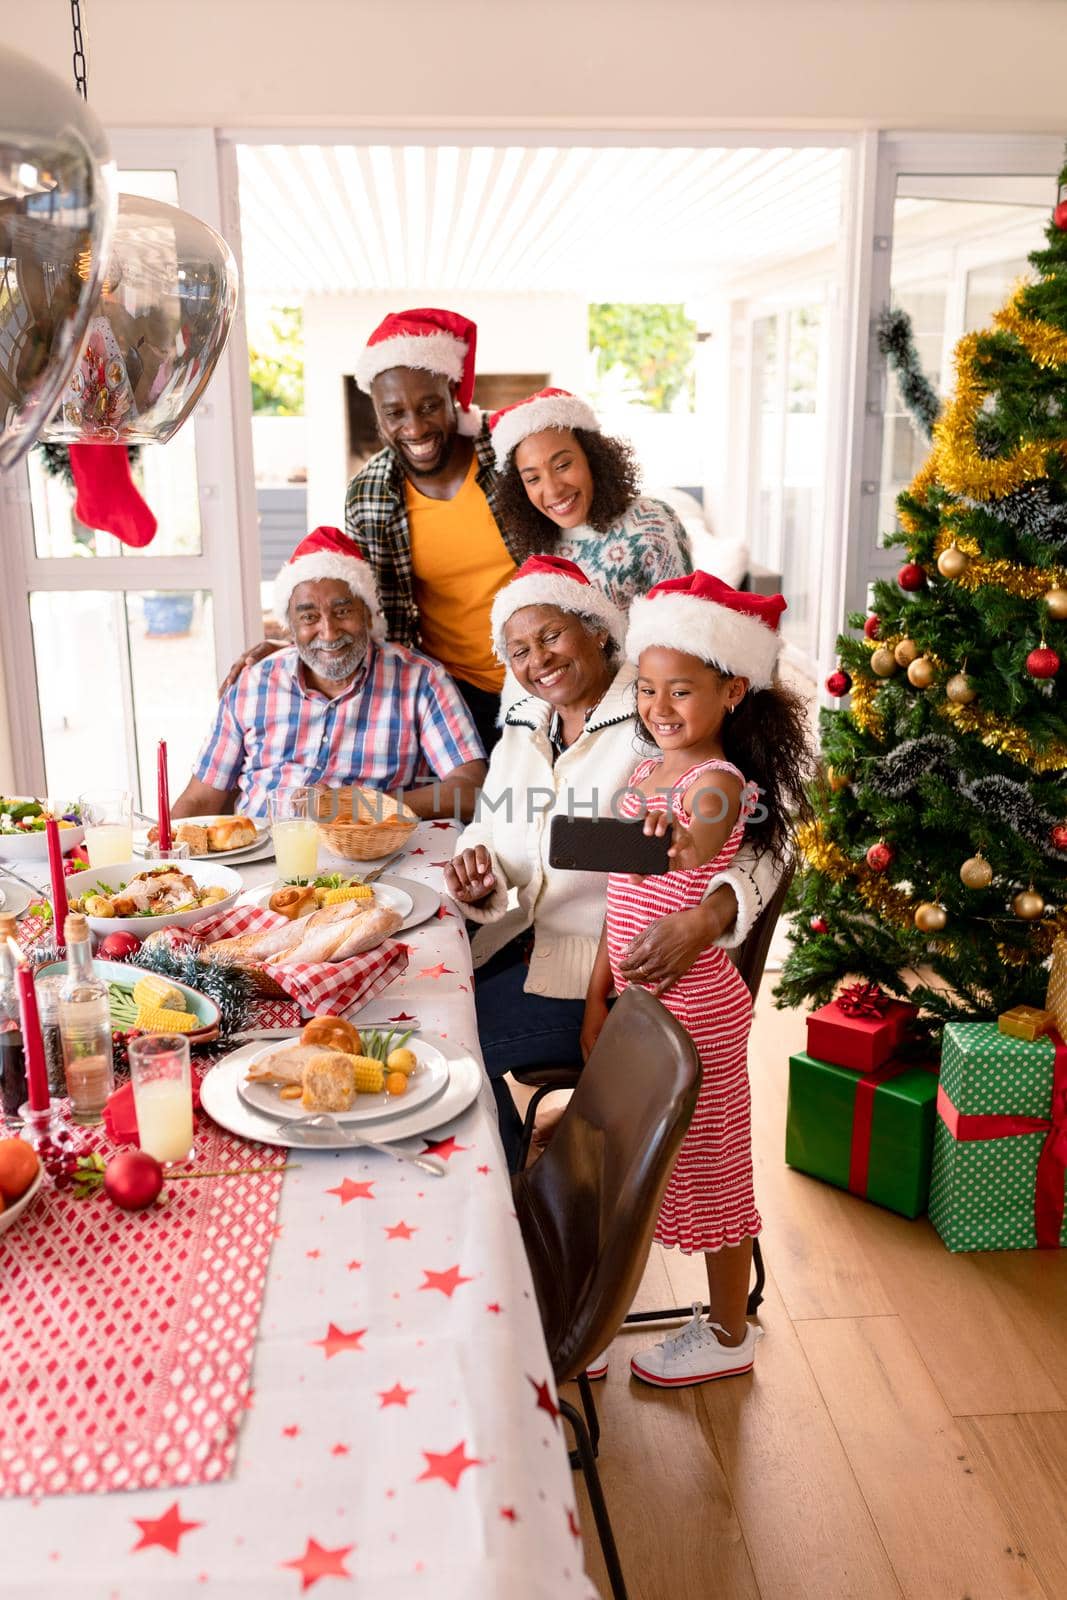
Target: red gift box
x,y
862,1038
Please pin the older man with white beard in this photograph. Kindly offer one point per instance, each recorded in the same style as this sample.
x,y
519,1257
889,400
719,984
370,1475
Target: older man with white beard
x,y
339,706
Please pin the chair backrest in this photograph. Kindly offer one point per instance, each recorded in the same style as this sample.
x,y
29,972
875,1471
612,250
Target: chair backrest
x,y
588,1207
750,958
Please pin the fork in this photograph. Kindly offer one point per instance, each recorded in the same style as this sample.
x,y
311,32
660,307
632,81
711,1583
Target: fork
x,y
322,1122
370,877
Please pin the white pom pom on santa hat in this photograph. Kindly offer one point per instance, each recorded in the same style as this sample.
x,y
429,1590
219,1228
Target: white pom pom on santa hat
x,y
704,617
554,581
548,408
429,340
329,553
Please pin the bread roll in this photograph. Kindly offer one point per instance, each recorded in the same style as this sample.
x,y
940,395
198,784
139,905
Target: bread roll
x,y
332,1033
232,833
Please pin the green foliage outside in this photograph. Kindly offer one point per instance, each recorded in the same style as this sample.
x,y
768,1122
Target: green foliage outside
x,y
653,344
276,363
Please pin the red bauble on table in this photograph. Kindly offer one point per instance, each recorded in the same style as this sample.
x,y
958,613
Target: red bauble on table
x,y
880,856
1059,836
819,925
911,576
118,946
871,626
838,683
1043,663
133,1179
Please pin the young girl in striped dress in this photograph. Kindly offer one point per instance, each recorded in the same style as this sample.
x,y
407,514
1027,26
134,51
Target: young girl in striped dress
x,y
732,753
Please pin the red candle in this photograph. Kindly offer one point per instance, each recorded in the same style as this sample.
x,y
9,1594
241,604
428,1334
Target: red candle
x,y
59,879
163,797
32,1042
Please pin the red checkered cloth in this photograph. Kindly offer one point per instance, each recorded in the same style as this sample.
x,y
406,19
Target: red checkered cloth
x,y
338,985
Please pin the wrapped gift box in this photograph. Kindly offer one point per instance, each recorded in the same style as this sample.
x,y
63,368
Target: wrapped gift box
x,y
872,1134
1057,984
1000,1143
860,1042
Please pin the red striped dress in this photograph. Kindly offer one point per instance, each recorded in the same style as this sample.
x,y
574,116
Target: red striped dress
x,y
709,1201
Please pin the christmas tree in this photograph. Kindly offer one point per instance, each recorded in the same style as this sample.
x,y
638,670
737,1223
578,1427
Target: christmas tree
x,y
936,859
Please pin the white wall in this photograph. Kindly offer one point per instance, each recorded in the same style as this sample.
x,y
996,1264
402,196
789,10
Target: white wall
x,y
516,333
980,64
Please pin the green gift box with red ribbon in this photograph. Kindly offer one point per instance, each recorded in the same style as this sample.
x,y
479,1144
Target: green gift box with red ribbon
x,y
871,1133
1000,1145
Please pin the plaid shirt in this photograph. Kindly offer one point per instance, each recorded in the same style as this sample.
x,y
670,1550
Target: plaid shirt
x,y
401,722
376,517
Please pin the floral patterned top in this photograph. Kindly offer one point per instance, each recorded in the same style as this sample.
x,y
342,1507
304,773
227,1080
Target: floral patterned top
x,y
645,546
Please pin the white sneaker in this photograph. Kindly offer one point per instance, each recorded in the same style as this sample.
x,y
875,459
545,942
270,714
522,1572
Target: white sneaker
x,y
598,1368
695,1355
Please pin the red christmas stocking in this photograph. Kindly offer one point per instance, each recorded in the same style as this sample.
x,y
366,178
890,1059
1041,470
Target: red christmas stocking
x,y
107,496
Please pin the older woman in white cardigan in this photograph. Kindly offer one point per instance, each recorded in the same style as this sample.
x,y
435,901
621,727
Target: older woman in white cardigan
x,y
569,743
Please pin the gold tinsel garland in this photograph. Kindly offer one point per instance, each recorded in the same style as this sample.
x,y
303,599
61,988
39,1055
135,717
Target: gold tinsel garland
x,y
923,479
958,464
997,733
864,709
1025,583
1044,343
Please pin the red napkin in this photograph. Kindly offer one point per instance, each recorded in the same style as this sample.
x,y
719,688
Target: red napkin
x,y
120,1113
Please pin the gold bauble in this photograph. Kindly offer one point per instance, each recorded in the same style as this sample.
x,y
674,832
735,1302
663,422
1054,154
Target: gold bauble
x,y
959,689
905,652
837,780
1028,904
922,672
1056,600
884,662
930,918
952,563
976,873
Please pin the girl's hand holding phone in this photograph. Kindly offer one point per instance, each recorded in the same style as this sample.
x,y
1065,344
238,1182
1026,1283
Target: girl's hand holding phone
x,y
683,853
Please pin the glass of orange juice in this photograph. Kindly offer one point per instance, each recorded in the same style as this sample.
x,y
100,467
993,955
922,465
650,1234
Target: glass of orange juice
x,y
295,833
108,818
163,1095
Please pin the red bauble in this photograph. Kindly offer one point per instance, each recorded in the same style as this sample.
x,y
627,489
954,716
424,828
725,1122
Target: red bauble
x,y
838,683
819,925
133,1179
1059,216
880,856
1059,836
1043,663
911,576
871,626
117,946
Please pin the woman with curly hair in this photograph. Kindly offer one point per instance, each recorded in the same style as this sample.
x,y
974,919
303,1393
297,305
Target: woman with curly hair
x,y
567,489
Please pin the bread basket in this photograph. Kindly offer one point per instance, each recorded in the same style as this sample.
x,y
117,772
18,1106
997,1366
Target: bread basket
x,y
362,824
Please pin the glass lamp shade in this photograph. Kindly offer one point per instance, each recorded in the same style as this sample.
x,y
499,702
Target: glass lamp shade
x,y
57,212
159,325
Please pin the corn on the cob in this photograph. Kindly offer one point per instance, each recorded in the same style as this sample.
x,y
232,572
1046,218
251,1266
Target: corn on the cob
x,y
352,891
155,1019
154,991
367,1075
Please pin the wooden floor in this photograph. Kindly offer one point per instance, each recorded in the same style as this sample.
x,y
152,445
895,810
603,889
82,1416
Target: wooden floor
x,y
904,1432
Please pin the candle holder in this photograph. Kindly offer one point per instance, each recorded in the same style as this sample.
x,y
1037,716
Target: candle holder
x,y
46,1127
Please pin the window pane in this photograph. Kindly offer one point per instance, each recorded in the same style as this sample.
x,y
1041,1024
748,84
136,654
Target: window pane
x,y
115,673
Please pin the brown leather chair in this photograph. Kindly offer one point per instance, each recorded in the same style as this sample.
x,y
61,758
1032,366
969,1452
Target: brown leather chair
x,y
588,1207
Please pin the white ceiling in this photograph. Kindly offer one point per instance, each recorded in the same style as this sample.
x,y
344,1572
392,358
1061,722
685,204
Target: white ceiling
x,y
616,223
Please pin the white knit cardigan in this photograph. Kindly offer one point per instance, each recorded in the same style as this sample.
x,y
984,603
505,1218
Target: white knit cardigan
x,y
523,792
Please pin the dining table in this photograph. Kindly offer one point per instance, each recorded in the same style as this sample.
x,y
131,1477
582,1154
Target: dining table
x,y
398,1434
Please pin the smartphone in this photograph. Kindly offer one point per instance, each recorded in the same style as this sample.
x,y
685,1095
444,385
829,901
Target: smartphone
x,y
603,844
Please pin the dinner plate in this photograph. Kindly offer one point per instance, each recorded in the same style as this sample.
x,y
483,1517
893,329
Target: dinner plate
x,y
424,900
261,850
205,1010
207,874
219,1097
14,898
425,1084
384,895
13,1211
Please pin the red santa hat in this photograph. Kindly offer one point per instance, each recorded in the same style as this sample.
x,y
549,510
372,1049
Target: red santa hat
x,y
548,408
554,581
430,341
329,553
706,618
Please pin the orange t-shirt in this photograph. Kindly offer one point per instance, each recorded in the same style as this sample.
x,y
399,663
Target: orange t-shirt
x,y
460,561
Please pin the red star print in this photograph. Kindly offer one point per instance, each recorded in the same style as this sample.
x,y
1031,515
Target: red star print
x,y
449,1468
442,912
318,1562
346,1190
291,1431
448,1282
495,1307
418,851
340,1450
445,1148
396,1396
545,1401
484,1169
354,1266
399,1230
313,1255
509,1514
166,1531
436,972
403,1016
336,1341
279,1229
572,1523
445,825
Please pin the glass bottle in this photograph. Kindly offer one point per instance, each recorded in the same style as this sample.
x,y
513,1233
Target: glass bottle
x,y
84,1026
12,1058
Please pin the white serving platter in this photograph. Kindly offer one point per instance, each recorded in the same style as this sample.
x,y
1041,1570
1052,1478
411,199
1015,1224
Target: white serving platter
x,y
207,874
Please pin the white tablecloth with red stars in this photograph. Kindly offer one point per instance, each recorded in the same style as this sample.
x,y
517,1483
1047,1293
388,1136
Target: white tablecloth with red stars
x,y
402,1439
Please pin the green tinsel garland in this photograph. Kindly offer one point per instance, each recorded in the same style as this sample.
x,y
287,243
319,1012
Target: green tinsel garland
x,y
232,991
897,344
